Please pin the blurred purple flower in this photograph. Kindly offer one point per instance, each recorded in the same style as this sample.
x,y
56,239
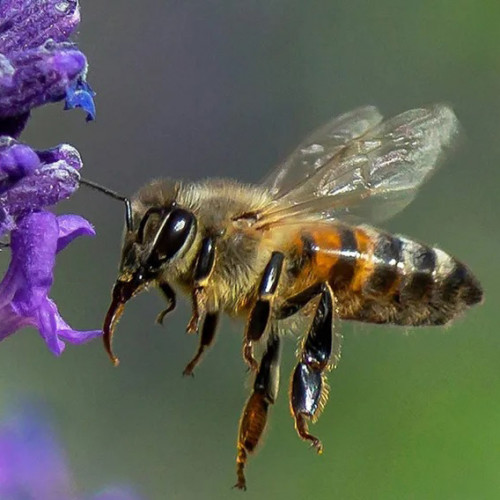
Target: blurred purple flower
x,y
37,63
33,464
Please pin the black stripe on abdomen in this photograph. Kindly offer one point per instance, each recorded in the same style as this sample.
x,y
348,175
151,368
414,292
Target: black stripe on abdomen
x,y
386,255
342,271
420,262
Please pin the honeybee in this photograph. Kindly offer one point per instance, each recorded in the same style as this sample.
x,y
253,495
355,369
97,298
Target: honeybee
x,y
297,250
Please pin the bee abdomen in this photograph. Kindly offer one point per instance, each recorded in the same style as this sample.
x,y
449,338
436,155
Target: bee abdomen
x,y
397,280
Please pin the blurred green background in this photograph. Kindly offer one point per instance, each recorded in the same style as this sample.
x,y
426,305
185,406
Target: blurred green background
x,y
219,88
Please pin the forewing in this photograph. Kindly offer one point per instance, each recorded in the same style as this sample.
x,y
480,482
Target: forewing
x,y
373,176
319,148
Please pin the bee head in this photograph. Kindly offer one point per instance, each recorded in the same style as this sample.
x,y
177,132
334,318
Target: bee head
x,y
158,234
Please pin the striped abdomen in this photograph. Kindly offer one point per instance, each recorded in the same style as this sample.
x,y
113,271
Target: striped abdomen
x,y
383,278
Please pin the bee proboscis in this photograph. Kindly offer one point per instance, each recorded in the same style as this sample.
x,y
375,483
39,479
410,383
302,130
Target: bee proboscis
x,y
297,251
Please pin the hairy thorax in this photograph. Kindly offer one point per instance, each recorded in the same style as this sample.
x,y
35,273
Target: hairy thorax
x,y
241,252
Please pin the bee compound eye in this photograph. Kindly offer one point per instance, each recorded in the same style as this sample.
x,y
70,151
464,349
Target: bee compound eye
x,y
172,235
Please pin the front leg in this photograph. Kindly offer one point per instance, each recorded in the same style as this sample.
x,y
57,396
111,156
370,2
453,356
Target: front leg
x,y
207,337
169,296
258,319
204,267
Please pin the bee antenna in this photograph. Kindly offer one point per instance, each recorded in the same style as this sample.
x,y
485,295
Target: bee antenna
x,y
112,194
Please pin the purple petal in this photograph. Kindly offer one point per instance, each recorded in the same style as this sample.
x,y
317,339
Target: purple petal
x,y
53,329
80,95
26,24
11,322
63,152
38,76
70,227
24,290
34,246
16,161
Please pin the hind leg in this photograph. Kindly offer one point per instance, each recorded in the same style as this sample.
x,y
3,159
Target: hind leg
x,y
254,417
309,391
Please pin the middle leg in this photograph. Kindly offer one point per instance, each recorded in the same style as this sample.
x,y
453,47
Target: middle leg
x,y
258,320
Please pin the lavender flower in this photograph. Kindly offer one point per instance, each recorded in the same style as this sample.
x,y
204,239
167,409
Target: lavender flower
x,y
38,65
24,290
33,464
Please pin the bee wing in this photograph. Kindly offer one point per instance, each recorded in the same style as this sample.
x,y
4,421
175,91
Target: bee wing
x,y
319,148
373,173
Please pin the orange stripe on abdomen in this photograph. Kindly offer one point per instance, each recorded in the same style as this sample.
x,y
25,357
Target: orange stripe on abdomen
x,y
361,259
338,254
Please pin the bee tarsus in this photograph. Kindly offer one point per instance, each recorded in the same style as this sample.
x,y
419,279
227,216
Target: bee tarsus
x,y
207,336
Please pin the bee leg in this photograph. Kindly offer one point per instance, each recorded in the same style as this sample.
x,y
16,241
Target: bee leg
x,y
297,302
309,390
258,319
204,267
208,330
254,417
198,304
169,295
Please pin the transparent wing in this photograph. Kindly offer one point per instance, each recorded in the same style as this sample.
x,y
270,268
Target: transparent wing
x,y
372,175
320,147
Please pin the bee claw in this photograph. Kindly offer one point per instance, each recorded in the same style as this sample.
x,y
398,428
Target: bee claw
x,y
160,318
252,365
188,371
240,485
318,446
192,326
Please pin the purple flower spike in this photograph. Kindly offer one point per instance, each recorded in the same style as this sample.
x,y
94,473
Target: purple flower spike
x,y
37,64
25,24
24,290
